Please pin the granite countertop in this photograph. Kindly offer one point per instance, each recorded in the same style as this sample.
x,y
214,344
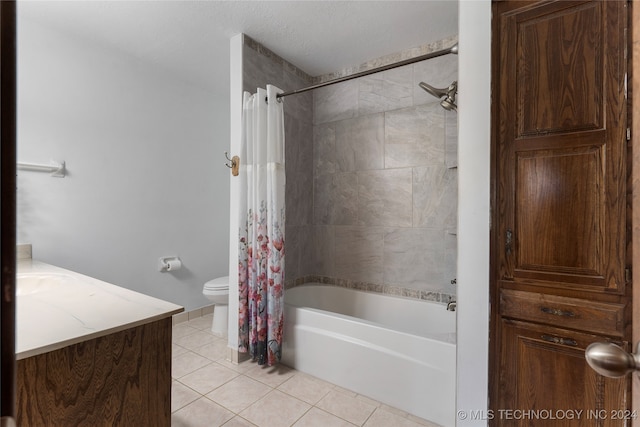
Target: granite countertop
x,y
58,307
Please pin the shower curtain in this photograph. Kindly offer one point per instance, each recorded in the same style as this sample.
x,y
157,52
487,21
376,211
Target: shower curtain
x,y
262,220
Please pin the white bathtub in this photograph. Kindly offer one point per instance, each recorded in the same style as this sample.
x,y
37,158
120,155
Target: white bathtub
x,y
398,351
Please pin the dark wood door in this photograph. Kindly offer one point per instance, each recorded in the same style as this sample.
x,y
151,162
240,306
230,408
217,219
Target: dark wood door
x,y
8,207
559,235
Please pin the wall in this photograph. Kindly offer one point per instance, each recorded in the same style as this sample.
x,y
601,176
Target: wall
x,y
144,152
385,181
473,210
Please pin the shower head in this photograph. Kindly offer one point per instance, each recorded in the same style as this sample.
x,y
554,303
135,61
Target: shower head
x,y
449,94
438,93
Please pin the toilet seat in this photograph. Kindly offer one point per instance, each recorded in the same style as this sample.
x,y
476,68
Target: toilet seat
x,y
218,285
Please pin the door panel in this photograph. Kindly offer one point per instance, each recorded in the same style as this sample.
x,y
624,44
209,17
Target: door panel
x,y
561,152
546,212
554,378
554,44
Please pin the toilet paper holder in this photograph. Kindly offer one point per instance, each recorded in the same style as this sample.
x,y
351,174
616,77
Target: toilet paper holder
x,y
169,263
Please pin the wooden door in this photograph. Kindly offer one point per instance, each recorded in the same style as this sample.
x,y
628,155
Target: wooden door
x,y
8,208
559,236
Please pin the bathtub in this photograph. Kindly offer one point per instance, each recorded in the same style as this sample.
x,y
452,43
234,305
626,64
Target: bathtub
x,y
399,351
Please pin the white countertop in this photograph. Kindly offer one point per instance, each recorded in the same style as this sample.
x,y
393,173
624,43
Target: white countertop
x,y
58,307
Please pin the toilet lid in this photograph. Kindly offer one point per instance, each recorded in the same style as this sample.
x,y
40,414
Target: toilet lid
x,y
218,283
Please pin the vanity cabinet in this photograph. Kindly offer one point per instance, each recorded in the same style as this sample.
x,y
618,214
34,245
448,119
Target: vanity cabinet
x,y
560,264
89,353
120,379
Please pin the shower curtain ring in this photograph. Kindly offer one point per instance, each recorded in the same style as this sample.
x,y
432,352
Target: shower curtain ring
x,y
278,99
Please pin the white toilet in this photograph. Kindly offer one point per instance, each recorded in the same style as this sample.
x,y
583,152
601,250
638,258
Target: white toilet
x,y
217,291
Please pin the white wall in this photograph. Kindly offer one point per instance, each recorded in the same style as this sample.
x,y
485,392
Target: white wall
x,y
144,152
235,123
474,133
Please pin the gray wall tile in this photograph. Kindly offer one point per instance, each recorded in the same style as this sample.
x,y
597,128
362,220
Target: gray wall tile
x,y
258,71
414,136
451,139
306,264
358,254
299,172
385,91
435,197
336,199
299,106
335,102
292,237
323,244
414,258
324,149
360,143
385,197
450,260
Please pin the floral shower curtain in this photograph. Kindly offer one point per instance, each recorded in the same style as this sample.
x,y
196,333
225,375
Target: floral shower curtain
x,y
262,217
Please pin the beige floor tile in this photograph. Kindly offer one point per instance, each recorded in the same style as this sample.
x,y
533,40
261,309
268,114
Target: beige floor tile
x,y
208,378
181,395
201,413
346,407
202,323
383,418
215,350
195,340
306,388
241,368
319,418
186,363
176,350
272,376
346,391
238,421
182,330
239,393
368,400
276,409
422,421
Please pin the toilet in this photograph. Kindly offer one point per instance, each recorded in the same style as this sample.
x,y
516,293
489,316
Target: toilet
x,y
217,291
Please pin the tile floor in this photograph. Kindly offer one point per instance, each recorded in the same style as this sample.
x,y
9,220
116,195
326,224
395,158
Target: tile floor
x,y
209,391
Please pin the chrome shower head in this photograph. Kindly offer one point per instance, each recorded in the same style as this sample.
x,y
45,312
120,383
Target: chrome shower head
x,y
438,93
449,94
449,104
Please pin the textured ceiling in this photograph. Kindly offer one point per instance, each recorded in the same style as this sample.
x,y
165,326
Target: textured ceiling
x,y
192,37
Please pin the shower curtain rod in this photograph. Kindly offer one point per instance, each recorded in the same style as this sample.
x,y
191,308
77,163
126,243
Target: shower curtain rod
x,y
453,49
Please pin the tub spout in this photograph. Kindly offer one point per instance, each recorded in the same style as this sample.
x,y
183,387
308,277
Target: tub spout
x,y
451,306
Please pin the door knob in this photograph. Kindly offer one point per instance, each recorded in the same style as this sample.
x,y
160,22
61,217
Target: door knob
x,y
611,360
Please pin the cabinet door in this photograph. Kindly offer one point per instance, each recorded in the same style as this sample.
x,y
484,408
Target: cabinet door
x,y
560,161
546,381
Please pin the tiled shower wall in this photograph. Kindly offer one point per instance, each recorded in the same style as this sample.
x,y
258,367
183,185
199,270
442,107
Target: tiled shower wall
x,y
371,177
385,180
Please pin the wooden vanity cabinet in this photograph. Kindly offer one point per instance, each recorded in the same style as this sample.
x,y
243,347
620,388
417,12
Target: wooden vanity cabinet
x,y
120,379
